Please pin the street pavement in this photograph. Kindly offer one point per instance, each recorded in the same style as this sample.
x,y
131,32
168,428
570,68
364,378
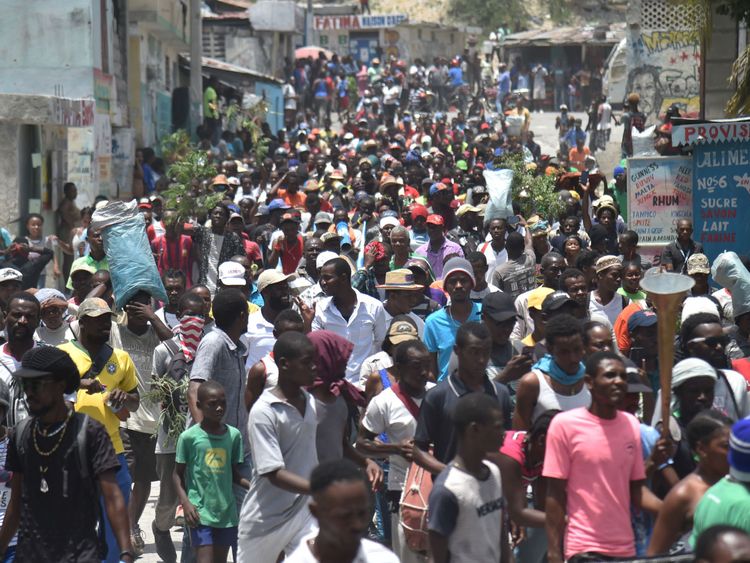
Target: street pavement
x,y
149,555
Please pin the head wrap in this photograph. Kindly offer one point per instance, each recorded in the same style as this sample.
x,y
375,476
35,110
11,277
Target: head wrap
x,y
333,352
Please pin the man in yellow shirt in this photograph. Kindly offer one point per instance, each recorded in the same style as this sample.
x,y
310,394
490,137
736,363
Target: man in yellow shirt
x,y
108,389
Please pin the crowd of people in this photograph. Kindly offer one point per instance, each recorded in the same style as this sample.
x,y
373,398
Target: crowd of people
x,y
360,358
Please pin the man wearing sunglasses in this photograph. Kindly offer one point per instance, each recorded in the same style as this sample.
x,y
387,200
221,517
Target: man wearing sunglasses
x,y
702,337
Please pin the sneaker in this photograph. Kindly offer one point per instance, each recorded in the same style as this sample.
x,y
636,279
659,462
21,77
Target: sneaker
x,y
136,539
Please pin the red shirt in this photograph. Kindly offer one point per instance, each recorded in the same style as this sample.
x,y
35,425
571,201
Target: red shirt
x,y
513,448
291,254
174,255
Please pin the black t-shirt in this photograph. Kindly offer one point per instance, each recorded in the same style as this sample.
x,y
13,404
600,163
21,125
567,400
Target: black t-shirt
x,y
60,525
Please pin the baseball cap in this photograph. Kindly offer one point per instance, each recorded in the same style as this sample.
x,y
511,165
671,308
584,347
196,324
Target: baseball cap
x,y
466,208
144,203
385,221
289,217
277,204
698,264
437,187
455,265
739,451
220,180
641,318
233,216
322,217
324,257
232,274
537,296
401,331
51,296
557,299
93,307
43,361
435,219
499,306
418,211
635,384
271,277
10,274
607,262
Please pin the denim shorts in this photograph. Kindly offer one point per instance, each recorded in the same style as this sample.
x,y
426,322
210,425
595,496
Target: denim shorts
x,y
206,535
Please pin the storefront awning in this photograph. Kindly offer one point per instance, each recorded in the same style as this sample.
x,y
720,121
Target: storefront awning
x,y
691,131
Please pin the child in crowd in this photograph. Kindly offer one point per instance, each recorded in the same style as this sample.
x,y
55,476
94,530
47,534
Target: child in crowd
x,y
205,470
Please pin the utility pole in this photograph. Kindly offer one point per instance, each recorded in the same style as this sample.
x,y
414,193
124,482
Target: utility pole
x,y
196,58
309,24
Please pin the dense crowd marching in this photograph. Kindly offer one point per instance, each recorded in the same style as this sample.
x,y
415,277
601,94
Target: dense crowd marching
x,y
362,359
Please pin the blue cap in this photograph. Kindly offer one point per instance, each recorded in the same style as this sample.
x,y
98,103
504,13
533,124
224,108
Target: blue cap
x,y
277,204
641,318
739,451
618,170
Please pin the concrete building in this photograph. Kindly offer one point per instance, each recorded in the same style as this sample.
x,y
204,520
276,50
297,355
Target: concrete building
x,y
62,94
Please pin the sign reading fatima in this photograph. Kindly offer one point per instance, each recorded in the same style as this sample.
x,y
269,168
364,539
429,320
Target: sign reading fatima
x,y
357,21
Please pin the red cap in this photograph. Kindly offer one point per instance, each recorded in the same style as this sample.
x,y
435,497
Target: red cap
x,y
435,220
419,211
484,126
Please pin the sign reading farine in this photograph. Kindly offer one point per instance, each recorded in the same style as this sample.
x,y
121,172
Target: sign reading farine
x,y
357,21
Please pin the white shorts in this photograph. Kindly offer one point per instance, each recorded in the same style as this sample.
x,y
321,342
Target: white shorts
x,y
285,538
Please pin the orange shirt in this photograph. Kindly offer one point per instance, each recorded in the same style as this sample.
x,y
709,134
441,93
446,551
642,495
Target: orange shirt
x,y
295,200
577,157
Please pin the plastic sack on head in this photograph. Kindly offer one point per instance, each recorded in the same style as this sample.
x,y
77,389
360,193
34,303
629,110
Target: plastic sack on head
x,y
729,271
501,197
131,263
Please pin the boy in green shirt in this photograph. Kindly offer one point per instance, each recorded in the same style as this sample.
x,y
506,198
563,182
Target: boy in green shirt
x,y
205,469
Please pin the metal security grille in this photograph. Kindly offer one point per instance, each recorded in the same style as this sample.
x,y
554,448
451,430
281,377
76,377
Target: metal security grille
x,y
663,14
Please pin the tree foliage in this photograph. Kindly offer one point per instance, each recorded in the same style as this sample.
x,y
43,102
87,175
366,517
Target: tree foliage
x,y
185,194
532,193
490,14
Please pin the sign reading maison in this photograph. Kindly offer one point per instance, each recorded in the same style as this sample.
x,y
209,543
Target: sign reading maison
x,y
357,21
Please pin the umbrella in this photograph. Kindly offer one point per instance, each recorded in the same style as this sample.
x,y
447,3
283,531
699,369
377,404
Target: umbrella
x,y
311,51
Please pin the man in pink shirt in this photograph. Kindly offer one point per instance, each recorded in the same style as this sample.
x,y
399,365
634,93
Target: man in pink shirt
x,y
594,470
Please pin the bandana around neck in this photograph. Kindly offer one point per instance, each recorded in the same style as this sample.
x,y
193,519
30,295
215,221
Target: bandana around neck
x,y
547,365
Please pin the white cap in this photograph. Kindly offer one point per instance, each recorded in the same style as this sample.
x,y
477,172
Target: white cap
x,y
232,273
324,257
10,274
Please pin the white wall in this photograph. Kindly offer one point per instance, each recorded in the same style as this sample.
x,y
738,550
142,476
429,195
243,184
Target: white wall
x,y
45,43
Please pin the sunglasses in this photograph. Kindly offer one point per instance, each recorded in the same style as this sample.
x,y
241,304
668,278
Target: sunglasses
x,y
711,341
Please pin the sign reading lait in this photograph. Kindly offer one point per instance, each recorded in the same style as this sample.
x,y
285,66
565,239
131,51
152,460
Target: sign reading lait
x,y
358,21
659,195
721,176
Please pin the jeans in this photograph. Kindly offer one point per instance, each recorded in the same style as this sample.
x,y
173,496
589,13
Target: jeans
x,y
560,97
124,482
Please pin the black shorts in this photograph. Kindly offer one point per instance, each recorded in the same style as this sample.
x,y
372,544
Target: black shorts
x,y
139,451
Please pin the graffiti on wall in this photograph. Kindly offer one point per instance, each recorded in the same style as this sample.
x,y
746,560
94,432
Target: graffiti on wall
x,y
664,71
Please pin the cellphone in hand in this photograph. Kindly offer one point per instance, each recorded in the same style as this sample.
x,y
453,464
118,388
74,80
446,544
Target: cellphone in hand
x,y
637,355
584,179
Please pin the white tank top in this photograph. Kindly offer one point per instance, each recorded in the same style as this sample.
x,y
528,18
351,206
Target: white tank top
x,y
549,400
272,372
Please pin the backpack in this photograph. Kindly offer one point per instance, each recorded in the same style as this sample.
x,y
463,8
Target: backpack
x,y
177,369
413,507
82,421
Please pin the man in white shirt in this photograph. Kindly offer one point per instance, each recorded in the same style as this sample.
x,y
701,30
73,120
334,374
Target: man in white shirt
x,y
357,317
341,505
259,338
391,412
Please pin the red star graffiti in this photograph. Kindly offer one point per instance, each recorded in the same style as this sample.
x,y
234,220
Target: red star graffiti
x,y
673,61
684,56
697,56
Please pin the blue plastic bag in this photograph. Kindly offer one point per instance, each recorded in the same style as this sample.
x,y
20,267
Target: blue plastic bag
x,y
131,264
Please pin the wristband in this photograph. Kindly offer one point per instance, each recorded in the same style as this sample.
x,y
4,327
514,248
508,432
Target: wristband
x,y
666,464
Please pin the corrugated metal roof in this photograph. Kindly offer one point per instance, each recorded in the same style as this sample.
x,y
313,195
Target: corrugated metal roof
x,y
564,36
216,64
